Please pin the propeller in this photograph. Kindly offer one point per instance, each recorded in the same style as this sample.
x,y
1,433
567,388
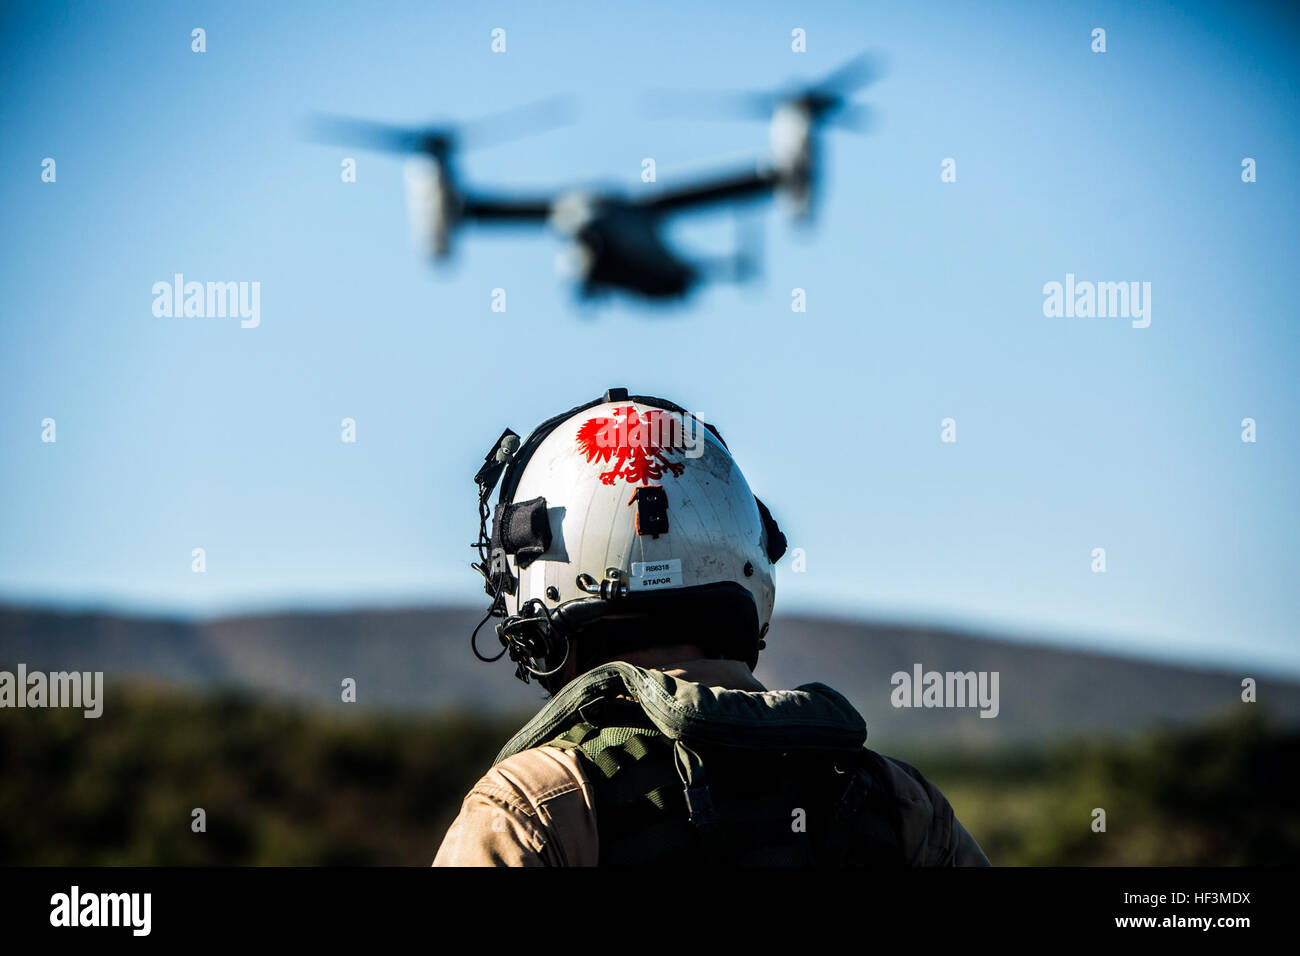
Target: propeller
x,y
825,101
439,140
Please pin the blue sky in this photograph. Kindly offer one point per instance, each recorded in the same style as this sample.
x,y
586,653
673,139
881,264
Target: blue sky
x,y
924,302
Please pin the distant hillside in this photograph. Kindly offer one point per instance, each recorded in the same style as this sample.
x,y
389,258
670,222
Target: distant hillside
x,y
420,660
1045,692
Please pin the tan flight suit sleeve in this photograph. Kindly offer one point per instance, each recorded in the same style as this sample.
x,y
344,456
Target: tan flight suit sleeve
x,y
931,833
532,809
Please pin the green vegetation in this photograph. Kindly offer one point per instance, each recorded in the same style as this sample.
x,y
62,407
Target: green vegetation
x,y
280,785
1215,795
286,786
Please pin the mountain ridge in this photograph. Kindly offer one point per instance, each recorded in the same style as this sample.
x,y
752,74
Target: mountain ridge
x,y
418,659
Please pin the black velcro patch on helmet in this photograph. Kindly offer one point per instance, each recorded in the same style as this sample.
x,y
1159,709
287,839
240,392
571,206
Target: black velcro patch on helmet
x,y
522,529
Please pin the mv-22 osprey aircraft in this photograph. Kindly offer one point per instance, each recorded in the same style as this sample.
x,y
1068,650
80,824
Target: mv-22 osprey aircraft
x,y
616,240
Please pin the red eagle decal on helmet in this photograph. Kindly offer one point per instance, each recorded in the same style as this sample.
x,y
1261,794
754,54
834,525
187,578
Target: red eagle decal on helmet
x,y
637,444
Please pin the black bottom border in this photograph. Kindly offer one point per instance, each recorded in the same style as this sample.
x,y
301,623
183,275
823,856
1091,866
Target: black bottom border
x,y
303,905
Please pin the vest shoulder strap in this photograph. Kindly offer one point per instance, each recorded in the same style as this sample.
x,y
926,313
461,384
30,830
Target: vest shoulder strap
x,y
811,717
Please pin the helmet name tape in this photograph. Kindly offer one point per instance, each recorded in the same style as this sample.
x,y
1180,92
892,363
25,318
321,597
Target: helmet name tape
x,y
648,575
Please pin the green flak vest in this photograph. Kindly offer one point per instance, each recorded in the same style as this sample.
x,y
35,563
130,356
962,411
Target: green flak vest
x,y
683,773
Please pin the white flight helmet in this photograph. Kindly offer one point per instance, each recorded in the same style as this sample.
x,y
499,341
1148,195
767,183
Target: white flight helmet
x,y
624,522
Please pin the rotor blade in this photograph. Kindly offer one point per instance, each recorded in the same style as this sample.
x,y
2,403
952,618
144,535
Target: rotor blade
x,y
853,117
856,73
356,132
520,121
711,104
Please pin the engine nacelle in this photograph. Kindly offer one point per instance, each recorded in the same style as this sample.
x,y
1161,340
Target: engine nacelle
x,y
793,156
431,205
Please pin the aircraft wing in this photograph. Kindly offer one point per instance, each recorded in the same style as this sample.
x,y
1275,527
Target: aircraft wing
x,y
743,185
506,210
